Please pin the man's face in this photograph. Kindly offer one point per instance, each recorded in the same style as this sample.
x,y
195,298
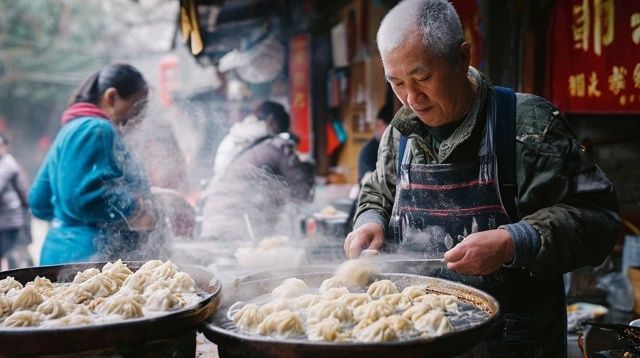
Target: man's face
x,y
432,87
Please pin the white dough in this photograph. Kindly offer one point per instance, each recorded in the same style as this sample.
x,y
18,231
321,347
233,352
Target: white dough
x,y
100,285
373,311
43,285
290,288
5,306
447,303
434,323
126,307
85,275
70,320
182,282
52,308
28,299
397,300
354,300
379,331
8,284
414,291
282,324
416,311
23,319
118,271
165,271
381,288
333,282
162,300
333,293
355,272
303,302
248,317
275,306
326,330
329,309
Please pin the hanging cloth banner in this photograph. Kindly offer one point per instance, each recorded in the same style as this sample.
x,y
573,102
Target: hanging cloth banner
x,y
594,56
300,89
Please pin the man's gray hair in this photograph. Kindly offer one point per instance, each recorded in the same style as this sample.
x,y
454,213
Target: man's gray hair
x,y
437,20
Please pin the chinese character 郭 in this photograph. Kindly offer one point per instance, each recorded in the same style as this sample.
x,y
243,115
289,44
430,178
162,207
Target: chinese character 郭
x,y
635,28
580,27
616,80
576,85
603,24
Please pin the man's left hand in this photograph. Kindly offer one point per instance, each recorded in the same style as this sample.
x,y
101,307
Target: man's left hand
x,y
481,253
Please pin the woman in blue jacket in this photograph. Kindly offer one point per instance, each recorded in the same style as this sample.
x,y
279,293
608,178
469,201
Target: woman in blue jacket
x,y
90,187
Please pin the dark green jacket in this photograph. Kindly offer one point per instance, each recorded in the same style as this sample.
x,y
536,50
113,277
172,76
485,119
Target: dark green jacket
x,y
562,194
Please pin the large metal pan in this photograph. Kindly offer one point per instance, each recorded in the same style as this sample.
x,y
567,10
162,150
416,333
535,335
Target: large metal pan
x,y
108,338
234,343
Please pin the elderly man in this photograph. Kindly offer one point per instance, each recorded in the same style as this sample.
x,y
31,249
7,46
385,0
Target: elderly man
x,y
490,180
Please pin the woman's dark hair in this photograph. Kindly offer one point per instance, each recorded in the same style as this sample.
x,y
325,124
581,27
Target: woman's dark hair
x,y
3,139
126,79
280,115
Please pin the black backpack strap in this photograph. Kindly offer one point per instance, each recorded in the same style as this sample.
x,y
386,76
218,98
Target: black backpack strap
x,y
250,146
504,104
401,148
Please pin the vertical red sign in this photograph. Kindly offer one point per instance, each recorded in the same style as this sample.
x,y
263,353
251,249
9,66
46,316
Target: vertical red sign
x,y
300,90
168,78
595,56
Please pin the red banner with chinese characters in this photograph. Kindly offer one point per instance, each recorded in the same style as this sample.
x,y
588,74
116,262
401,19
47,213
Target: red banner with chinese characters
x,y
300,90
595,56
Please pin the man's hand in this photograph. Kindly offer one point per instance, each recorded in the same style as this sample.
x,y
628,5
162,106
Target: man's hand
x,y
367,236
481,253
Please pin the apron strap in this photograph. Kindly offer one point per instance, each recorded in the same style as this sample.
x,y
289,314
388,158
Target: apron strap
x,y
504,117
401,148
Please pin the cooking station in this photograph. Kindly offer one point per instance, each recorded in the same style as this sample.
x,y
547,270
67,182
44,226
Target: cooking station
x,y
174,335
468,331
463,158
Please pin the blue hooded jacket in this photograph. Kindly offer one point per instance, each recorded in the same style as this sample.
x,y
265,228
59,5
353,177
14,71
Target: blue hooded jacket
x,y
88,186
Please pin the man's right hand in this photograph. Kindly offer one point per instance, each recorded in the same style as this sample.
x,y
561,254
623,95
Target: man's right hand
x,y
367,236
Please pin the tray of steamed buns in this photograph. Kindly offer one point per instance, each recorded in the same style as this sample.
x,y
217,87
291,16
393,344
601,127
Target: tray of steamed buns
x,y
352,310
91,306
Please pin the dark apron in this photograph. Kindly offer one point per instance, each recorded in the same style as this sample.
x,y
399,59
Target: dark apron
x,y
437,205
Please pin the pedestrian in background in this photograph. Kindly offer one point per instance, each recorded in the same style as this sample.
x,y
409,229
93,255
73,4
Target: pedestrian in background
x,y
369,152
15,233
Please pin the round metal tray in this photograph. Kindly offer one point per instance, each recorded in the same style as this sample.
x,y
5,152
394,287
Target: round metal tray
x,y
234,343
106,338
